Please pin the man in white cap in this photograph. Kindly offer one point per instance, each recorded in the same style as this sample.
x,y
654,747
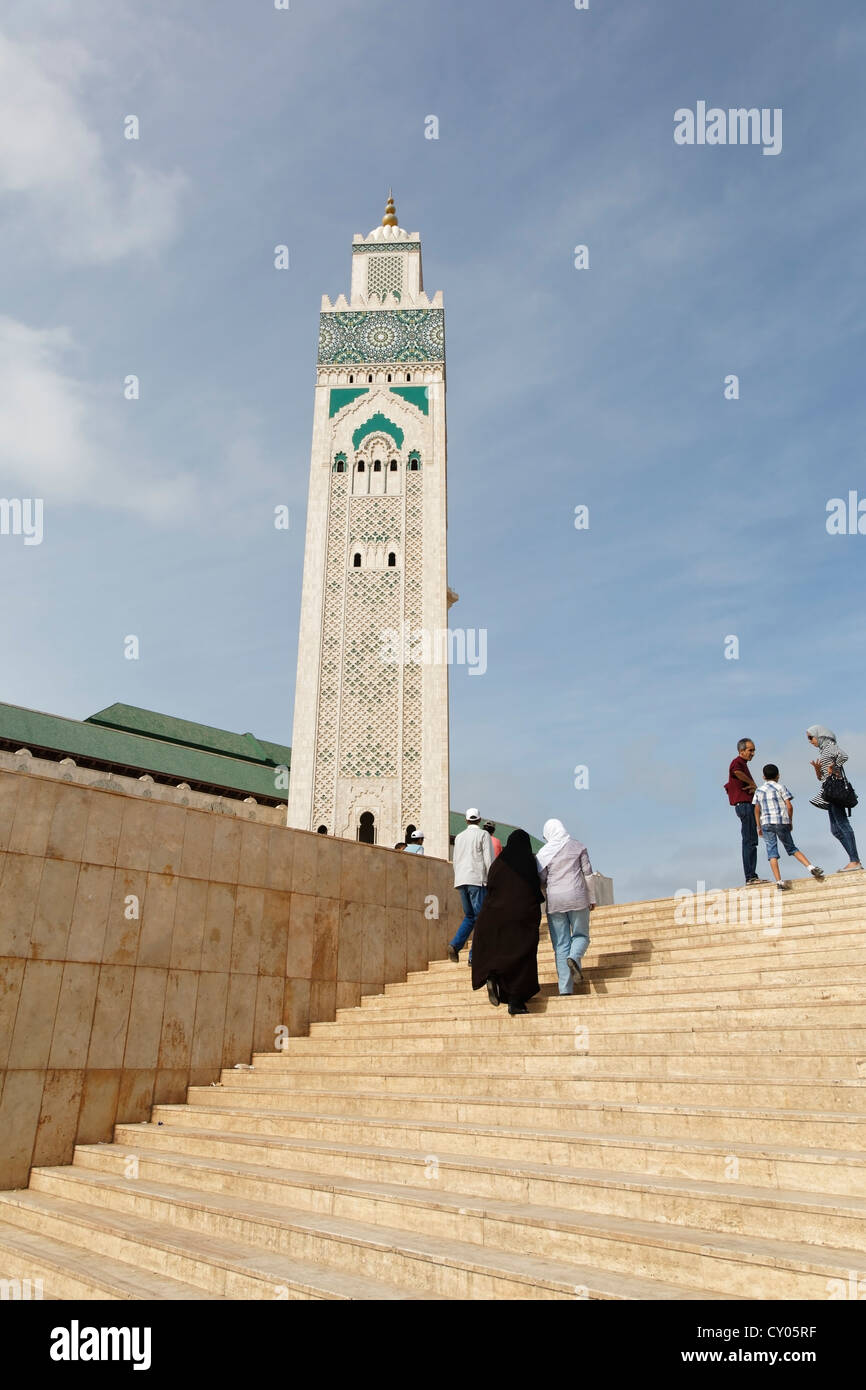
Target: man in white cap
x,y
473,855
416,844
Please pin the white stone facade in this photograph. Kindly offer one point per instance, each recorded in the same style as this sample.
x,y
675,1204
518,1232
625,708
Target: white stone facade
x,y
370,734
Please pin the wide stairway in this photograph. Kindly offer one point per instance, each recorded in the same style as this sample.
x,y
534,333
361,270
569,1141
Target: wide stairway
x,y
689,1125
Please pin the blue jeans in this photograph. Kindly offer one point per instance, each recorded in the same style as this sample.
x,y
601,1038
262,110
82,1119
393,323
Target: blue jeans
x,y
840,826
782,833
749,832
569,935
472,896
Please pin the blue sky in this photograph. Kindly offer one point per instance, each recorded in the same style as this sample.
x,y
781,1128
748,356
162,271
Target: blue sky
x,y
602,387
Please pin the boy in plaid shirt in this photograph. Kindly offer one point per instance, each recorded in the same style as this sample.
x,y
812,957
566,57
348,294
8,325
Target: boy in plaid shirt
x,y
774,817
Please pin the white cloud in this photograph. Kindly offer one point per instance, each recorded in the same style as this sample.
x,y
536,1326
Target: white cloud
x,y
43,443
59,439
73,443
54,171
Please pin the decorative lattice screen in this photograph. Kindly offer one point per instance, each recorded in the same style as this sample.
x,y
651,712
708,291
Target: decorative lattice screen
x,y
385,273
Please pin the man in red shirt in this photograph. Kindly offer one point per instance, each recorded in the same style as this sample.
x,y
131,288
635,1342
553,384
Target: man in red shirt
x,y
741,788
490,827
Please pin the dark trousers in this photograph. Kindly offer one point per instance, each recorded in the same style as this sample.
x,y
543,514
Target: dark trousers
x,y
749,831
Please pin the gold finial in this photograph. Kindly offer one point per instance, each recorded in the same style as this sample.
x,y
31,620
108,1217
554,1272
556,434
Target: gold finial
x,y
390,218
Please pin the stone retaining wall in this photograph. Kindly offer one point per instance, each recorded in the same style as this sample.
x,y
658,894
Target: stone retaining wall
x,y
151,935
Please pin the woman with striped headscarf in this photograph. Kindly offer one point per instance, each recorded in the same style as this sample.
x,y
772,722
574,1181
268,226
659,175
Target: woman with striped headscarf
x,y
829,760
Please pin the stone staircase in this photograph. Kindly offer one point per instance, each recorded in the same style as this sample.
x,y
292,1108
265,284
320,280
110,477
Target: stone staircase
x,y
689,1126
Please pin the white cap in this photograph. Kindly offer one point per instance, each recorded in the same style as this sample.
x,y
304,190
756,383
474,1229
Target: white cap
x,y
472,814
417,834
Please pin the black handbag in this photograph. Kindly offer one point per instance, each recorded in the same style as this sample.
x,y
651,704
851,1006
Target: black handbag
x,y
837,791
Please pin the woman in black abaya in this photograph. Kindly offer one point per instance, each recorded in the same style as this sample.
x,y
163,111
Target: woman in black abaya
x,y
505,943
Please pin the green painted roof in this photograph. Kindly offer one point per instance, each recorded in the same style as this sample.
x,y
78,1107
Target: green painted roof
x,y
182,731
138,753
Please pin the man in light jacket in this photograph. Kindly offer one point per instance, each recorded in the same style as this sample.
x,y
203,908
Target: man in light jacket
x,y
473,855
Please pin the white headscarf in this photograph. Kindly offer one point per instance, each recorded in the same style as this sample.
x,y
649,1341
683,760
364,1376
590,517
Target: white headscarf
x,y
557,838
821,734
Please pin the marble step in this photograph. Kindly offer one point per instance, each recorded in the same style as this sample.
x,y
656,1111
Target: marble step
x,y
714,1206
639,998
682,962
819,956
376,1040
783,975
719,1262
70,1272
758,1164
771,924
722,1200
143,1251
412,1266
605,1084
580,1060
726,1123
836,890
603,1015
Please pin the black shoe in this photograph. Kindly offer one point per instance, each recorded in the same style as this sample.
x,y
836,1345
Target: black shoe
x,y
493,994
576,972
517,1009
452,954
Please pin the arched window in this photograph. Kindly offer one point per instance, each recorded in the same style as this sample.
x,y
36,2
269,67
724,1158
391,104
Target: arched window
x,y
408,376
356,560
367,828
389,376
360,465
351,379
392,561
340,466
410,831
370,377
393,465
414,465
322,830
377,466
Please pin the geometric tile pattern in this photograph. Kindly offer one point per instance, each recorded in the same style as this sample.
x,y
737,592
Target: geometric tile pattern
x,y
376,248
382,335
376,519
370,687
324,785
413,565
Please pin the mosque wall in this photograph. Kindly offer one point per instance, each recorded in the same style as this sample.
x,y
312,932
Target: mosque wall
x,y
151,935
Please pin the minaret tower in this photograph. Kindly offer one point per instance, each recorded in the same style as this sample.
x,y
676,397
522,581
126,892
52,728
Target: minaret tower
x,y
370,740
